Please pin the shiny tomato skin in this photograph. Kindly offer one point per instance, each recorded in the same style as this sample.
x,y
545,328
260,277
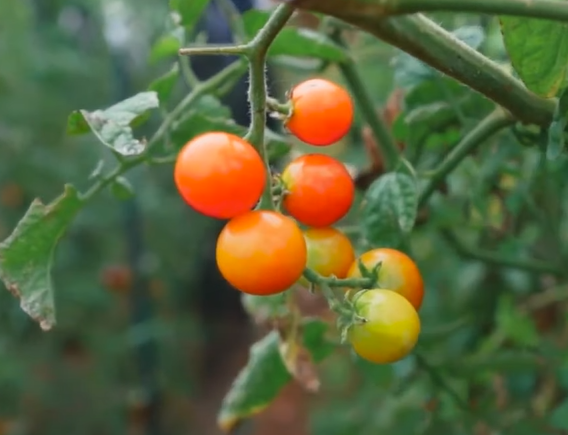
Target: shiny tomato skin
x,y
391,329
261,252
398,272
319,190
330,252
322,112
220,175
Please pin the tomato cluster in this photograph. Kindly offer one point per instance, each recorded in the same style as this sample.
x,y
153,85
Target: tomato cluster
x,y
265,252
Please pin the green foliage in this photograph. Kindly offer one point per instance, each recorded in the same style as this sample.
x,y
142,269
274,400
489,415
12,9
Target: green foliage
x,y
259,383
113,126
489,235
389,211
26,256
538,50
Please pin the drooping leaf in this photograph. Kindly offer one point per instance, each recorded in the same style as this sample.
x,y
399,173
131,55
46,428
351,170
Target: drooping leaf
x,y
164,85
265,308
293,41
190,11
389,210
26,255
538,50
113,126
265,374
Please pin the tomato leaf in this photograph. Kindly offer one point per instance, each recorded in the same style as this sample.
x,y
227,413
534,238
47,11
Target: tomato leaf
x,y
265,308
538,50
260,382
293,41
167,45
555,144
190,11
389,210
164,85
26,255
113,126
122,189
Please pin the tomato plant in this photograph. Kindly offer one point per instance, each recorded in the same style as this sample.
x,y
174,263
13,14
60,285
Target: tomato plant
x,y
319,189
330,252
261,252
219,174
451,117
396,271
389,329
322,112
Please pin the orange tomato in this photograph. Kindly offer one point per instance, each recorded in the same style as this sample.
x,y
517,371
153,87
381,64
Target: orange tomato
x,y
261,252
319,190
220,175
322,112
391,329
330,252
398,273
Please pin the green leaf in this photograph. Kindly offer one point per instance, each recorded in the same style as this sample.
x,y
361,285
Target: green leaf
x,y
26,255
113,126
166,46
555,144
190,11
293,41
559,416
538,50
518,327
122,189
389,210
164,85
265,374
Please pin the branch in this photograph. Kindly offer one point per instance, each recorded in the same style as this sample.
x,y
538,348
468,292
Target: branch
x,y
549,9
534,266
494,122
425,40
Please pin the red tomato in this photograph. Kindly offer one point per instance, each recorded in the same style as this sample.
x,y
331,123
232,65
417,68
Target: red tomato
x,y
398,273
330,252
391,329
261,252
320,190
220,175
322,112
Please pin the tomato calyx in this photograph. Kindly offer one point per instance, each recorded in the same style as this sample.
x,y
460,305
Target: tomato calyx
x,y
343,306
278,110
370,274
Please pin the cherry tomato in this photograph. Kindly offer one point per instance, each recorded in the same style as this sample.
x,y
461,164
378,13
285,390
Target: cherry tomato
x,y
322,112
220,175
398,272
391,329
330,252
319,190
261,252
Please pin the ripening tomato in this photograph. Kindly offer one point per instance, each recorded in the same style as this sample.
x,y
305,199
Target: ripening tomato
x,y
261,252
391,329
398,272
322,112
220,175
330,252
319,190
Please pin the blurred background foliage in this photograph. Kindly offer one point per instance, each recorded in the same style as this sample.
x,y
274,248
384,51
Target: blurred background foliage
x,y
159,358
